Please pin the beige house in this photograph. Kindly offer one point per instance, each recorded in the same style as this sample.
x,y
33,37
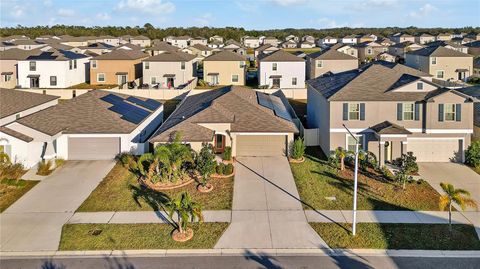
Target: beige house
x,y
199,50
369,51
444,37
169,70
441,62
141,41
225,68
402,37
391,109
162,47
424,38
400,49
9,65
117,67
325,61
347,49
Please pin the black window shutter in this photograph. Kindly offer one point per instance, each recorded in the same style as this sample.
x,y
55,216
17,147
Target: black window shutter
x,y
399,111
417,111
458,112
440,112
345,111
362,111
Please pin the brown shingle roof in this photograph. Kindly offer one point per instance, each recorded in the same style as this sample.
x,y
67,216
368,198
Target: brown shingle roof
x,y
171,57
280,56
163,46
122,54
202,47
17,54
438,52
225,56
330,54
15,101
15,134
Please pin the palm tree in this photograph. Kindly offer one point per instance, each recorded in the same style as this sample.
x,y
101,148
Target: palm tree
x,y
186,211
341,153
460,197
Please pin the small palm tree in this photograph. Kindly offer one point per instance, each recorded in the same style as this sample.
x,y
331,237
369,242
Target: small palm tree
x,y
459,196
341,153
186,211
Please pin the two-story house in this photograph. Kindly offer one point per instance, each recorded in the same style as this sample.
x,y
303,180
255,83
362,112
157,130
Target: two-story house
x,y
270,40
198,40
200,51
141,41
424,38
441,62
162,47
400,49
330,60
180,41
328,40
225,68
368,51
402,37
9,65
349,39
169,70
251,42
391,109
281,69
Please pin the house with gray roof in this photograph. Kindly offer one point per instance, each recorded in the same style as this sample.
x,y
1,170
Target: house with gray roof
x,y
391,109
329,60
281,69
9,65
250,122
225,68
169,70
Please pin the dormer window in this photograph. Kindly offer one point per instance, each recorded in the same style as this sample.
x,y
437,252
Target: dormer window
x,y
419,86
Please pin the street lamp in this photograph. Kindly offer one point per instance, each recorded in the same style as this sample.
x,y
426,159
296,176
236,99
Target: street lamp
x,y
355,183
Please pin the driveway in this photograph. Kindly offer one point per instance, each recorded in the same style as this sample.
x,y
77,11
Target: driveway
x,y
35,221
457,174
266,210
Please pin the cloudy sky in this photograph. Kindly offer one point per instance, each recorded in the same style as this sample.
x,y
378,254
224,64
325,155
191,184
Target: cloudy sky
x,y
250,14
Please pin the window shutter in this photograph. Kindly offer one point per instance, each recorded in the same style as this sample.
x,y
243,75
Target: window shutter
x,y
362,111
399,111
440,112
345,111
417,111
458,112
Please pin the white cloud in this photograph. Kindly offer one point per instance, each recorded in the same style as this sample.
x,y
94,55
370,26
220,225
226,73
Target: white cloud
x,y
422,12
286,3
17,11
205,19
374,4
63,12
329,23
103,16
147,6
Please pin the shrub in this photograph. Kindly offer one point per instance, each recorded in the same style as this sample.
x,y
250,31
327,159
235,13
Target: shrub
x,y
59,162
127,160
333,161
229,169
227,154
12,171
387,174
44,168
201,83
407,163
205,163
298,148
472,154
220,169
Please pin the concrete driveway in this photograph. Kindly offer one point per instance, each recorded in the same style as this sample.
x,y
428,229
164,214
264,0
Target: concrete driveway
x,y
35,221
457,174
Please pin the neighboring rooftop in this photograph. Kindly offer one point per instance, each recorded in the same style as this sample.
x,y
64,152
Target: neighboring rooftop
x,y
122,54
175,56
225,56
438,51
163,46
330,54
15,101
279,56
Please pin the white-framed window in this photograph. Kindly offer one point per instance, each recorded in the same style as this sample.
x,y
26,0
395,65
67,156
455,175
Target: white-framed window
x,y
408,111
274,67
33,66
294,81
350,142
100,77
53,80
433,60
449,112
70,64
440,74
319,63
153,80
182,65
234,78
419,86
353,111
147,65
75,64
94,64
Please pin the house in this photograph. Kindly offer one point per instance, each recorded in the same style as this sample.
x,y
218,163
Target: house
x,y
308,38
368,51
391,109
97,125
9,65
97,48
443,37
402,37
349,39
292,37
141,41
347,49
216,39
162,47
424,38
108,39
124,39
387,57
216,43
400,49
198,40
234,46
169,70
27,44
366,38
328,40
201,51
474,91
281,69
225,68
442,63
117,67
264,49
385,42
270,40
129,46
476,67
53,69
250,122
307,44
473,48
329,61
74,41
449,45
289,44
251,42
17,104
180,41
473,36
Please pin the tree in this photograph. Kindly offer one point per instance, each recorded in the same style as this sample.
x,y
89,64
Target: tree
x,y
402,177
460,197
472,154
341,153
186,211
205,163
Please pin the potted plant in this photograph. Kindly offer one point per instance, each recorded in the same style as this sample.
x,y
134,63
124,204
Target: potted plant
x,y
205,165
298,151
182,211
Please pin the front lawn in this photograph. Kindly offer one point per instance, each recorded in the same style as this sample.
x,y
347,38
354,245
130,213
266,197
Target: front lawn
x,y
120,191
399,236
11,190
137,236
323,187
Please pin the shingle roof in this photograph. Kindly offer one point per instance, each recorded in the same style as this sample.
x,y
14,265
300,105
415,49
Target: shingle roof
x,y
84,114
97,45
163,46
122,54
56,55
15,101
387,127
18,54
140,37
15,134
225,56
438,51
330,54
202,47
171,57
232,104
279,56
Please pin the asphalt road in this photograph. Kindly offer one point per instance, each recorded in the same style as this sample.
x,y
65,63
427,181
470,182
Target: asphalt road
x,y
237,262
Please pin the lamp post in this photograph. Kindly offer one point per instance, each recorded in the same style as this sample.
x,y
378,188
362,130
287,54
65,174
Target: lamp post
x,y
355,183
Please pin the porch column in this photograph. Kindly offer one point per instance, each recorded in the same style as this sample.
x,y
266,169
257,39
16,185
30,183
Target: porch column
x,y
381,153
404,147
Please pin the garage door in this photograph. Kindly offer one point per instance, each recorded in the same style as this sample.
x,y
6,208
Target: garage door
x,y
261,145
93,148
438,150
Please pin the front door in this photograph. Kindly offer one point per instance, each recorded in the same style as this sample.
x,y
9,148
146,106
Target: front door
x,y
388,151
276,83
122,79
219,143
170,83
461,75
34,82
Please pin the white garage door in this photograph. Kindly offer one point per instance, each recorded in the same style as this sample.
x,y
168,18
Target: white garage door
x,y
436,150
93,148
261,145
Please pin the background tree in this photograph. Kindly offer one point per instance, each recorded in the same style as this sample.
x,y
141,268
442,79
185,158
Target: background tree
x,y
460,197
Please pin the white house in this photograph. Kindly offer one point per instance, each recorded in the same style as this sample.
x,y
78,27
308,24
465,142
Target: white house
x,y
180,41
328,40
53,69
251,42
97,125
349,39
281,69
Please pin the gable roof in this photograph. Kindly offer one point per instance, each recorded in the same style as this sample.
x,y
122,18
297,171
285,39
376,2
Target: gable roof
x,y
236,105
225,55
279,56
56,55
438,51
15,101
18,54
163,46
122,54
174,56
202,47
330,54
387,127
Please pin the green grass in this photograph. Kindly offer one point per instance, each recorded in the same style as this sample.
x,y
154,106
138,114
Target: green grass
x,y
137,236
120,191
399,236
11,190
316,180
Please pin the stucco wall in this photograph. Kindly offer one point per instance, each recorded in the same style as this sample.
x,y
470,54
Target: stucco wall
x,y
159,69
334,66
8,66
225,69
288,71
111,67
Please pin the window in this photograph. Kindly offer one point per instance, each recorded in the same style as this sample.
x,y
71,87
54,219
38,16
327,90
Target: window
x,y
419,86
33,66
75,64
153,80
408,111
274,67
70,64
17,116
147,65
319,63
234,78
440,74
53,80
369,51
449,112
101,77
354,111
351,142
434,60
94,64
182,66
7,77
294,81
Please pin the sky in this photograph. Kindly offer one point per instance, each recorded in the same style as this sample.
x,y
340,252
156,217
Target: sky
x,y
249,14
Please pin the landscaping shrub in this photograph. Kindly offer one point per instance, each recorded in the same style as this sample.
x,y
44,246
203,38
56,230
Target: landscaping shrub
x,y
227,154
220,169
298,148
12,171
387,174
407,163
333,161
205,163
59,162
472,154
202,83
127,160
229,169
44,168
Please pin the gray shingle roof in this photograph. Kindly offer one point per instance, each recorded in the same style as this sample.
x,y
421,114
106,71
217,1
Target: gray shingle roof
x,y
438,51
122,54
56,55
15,101
387,127
279,56
330,54
18,54
171,57
225,55
163,46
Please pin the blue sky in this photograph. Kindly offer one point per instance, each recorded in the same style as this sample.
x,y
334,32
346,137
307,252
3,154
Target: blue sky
x,y
250,14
